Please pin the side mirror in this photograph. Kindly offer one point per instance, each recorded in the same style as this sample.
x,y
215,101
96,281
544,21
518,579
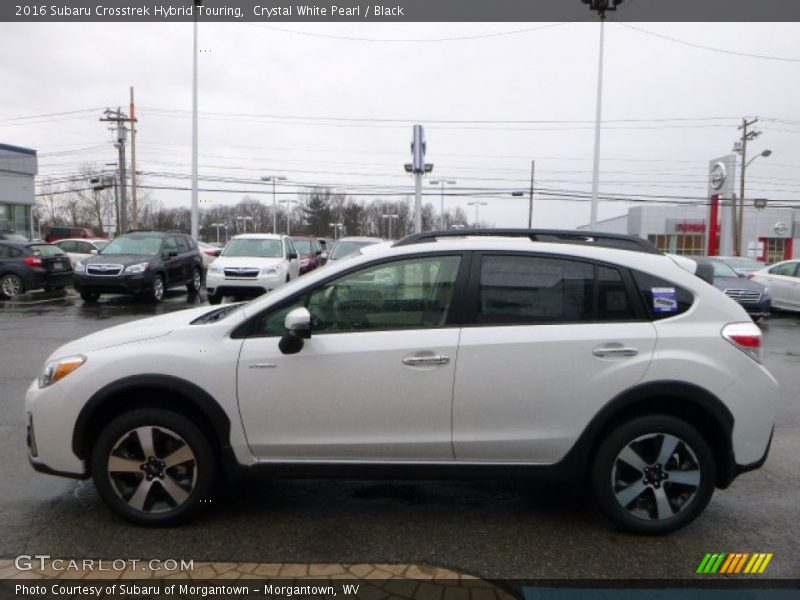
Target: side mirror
x,y
291,255
298,328
318,252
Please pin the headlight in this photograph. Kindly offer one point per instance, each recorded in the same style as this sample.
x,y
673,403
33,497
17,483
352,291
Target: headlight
x,y
137,268
215,270
270,270
80,268
58,369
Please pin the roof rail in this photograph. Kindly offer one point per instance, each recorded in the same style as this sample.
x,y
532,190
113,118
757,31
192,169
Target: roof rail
x,y
553,236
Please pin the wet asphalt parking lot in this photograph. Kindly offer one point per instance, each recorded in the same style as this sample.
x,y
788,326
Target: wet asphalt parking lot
x,y
493,530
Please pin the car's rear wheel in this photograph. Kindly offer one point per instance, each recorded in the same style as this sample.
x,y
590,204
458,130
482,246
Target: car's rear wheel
x,y
196,282
653,474
11,286
153,467
157,292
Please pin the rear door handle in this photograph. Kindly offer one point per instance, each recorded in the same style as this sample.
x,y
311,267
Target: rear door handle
x,y
421,361
614,350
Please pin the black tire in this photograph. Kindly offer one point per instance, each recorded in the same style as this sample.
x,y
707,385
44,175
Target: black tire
x,y
214,298
196,282
11,286
288,278
87,296
190,480
663,504
156,293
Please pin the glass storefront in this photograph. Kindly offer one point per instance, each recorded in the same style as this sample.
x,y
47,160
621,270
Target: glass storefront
x,y
691,245
16,218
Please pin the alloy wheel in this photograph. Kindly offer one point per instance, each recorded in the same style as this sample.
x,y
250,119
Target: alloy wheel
x,y
158,288
11,286
152,469
655,476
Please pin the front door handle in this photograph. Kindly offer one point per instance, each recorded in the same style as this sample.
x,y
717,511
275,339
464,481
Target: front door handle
x,y
421,361
613,350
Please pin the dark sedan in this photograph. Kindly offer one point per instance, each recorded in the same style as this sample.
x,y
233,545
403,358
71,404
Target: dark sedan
x,y
26,266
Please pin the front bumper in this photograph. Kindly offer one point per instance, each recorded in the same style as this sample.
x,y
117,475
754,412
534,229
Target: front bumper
x,y
118,284
231,286
51,417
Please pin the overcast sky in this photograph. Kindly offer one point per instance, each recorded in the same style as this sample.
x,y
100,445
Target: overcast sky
x,y
334,104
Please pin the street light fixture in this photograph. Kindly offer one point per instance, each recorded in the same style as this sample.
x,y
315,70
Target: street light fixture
x,y
741,150
441,183
288,204
273,179
337,227
477,206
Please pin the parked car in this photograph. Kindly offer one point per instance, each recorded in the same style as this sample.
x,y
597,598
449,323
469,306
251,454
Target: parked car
x,y
252,264
209,252
78,249
743,266
783,281
26,266
60,233
12,236
349,245
309,251
327,245
614,368
141,263
754,297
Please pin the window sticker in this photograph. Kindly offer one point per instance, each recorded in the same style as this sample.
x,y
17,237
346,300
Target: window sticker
x,y
665,300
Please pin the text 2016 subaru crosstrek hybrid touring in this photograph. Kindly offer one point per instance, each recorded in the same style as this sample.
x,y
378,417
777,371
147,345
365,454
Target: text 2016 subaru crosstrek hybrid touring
x,y
547,355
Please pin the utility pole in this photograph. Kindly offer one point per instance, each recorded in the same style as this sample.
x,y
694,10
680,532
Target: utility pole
x,y
441,183
746,136
134,203
120,119
530,201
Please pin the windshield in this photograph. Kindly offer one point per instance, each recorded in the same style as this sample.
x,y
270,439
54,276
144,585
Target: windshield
x,y
343,249
303,246
744,263
253,247
45,250
723,270
133,245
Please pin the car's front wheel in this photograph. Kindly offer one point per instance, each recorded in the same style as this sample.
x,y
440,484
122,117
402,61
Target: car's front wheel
x,y
653,474
214,298
11,286
153,467
87,296
157,292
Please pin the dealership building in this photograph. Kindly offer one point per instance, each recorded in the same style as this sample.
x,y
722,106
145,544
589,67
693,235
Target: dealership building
x,y
18,168
769,234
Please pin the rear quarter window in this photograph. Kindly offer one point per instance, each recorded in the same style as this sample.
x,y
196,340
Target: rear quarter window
x,y
662,298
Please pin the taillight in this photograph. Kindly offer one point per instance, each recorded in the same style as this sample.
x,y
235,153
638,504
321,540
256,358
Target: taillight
x,y
33,261
746,337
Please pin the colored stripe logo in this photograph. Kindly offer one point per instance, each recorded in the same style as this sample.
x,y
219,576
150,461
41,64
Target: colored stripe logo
x,y
734,563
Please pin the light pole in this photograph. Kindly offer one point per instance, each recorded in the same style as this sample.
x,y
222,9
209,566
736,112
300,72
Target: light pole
x,y
195,203
218,225
244,222
740,224
477,206
600,7
274,179
288,204
389,219
441,183
337,227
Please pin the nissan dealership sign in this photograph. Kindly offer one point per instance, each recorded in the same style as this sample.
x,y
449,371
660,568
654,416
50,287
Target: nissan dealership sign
x,y
721,176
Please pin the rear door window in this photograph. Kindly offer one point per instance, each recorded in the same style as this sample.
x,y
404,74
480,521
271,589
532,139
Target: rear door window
x,y
662,299
183,247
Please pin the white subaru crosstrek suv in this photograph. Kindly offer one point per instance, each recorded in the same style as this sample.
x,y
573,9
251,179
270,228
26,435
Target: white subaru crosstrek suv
x,y
587,357
252,264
